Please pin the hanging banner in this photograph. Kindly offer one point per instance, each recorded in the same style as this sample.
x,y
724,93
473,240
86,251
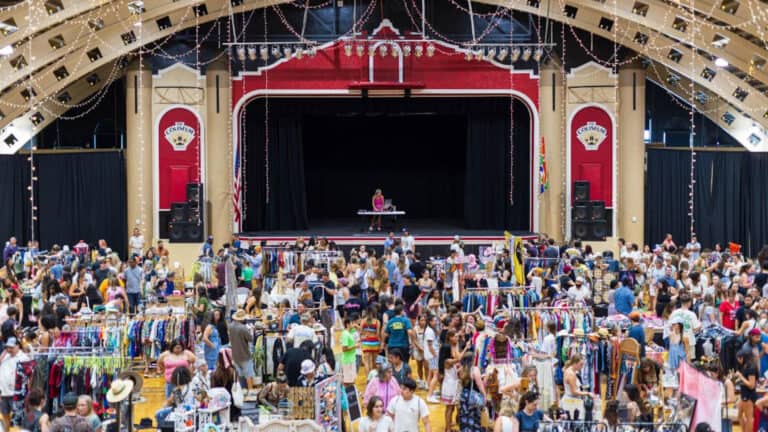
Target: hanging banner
x,y
591,142
178,151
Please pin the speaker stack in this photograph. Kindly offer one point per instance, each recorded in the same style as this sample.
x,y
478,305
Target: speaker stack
x,y
588,218
186,223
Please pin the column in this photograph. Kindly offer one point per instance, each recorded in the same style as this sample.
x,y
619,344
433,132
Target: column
x,y
218,157
551,124
631,153
138,150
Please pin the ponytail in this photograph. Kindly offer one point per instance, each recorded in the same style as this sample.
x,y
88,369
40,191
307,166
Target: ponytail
x,y
572,360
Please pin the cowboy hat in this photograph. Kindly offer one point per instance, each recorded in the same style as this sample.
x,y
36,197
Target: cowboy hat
x,y
120,389
240,315
138,380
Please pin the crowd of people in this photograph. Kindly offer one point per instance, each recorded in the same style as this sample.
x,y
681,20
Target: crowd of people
x,y
400,323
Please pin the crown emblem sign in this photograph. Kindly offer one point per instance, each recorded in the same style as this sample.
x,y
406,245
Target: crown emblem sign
x,y
179,135
591,135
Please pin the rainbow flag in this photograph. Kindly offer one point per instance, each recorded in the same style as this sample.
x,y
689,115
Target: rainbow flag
x,y
543,177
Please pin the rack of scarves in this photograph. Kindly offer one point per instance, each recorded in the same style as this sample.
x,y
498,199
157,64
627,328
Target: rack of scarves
x,y
149,335
492,299
531,323
58,371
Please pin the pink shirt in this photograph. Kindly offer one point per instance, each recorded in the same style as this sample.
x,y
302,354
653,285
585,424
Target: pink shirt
x,y
171,365
386,391
378,202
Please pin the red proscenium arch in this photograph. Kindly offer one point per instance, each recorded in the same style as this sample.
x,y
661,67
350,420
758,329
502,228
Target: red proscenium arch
x,y
331,73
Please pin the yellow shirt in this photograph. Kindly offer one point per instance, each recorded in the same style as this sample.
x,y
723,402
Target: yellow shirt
x,y
104,284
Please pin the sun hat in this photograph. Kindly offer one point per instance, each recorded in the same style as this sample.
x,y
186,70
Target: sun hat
x,y
119,390
240,315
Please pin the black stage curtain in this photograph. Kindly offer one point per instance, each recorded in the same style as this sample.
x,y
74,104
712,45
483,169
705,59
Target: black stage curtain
x,y
730,198
79,196
15,218
483,122
287,206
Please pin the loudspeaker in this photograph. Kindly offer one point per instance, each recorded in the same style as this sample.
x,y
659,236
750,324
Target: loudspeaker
x,y
580,212
590,229
580,229
599,229
581,191
597,210
194,192
179,212
185,232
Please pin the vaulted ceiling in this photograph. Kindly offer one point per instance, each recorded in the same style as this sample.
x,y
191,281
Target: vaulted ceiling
x,y
65,51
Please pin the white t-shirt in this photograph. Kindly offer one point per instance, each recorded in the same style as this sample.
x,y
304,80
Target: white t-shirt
x,y
408,243
384,424
8,372
136,243
549,346
408,413
579,294
430,338
300,333
537,283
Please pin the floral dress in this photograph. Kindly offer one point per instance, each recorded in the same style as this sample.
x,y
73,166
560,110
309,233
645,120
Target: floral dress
x,y
469,416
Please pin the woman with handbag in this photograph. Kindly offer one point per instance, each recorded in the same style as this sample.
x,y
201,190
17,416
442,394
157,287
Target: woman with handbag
x,y
472,398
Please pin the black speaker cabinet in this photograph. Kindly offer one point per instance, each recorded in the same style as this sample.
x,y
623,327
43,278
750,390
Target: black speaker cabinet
x,y
590,230
186,232
179,212
580,229
600,229
580,212
597,210
581,191
194,193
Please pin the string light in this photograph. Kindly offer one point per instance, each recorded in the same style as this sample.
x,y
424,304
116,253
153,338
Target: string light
x,y
692,113
266,116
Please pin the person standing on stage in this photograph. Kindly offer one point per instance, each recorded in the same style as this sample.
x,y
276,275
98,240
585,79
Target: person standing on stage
x,y
377,202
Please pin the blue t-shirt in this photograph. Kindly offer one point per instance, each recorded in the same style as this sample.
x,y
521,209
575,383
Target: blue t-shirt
x,y
637,333
397,328
529,423
763,356
623,299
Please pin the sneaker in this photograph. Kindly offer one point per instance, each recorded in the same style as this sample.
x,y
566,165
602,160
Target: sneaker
x,y
422,384
433,399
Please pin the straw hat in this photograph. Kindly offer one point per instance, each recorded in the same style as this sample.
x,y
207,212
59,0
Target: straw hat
x,y
240,315
138,380
120,389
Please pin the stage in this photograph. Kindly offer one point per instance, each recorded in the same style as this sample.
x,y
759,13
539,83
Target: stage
x,y
432,237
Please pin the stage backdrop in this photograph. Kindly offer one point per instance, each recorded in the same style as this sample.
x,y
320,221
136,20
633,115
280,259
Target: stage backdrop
x,y
79,196
326,174
730,198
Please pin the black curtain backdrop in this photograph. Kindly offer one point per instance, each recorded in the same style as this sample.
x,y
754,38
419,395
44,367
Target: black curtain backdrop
x,y
437,158
730,198
15,217
79,196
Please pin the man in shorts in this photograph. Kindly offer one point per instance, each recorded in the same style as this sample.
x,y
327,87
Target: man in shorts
x,y
241,339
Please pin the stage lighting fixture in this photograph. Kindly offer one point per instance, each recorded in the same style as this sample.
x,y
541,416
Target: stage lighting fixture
x,y
478,54
468,56
348,50
252,53
276,52
527,54
430,50
312,51
395,50
240,53
299,52
287,51
490,54
502,54
383,50
371,50
515,54
407,50
419,50
359,50
264,52
537,54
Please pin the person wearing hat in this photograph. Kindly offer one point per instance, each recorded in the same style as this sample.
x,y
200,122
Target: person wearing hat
x,y
71,420
636,331
308,378
11,356
241,338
